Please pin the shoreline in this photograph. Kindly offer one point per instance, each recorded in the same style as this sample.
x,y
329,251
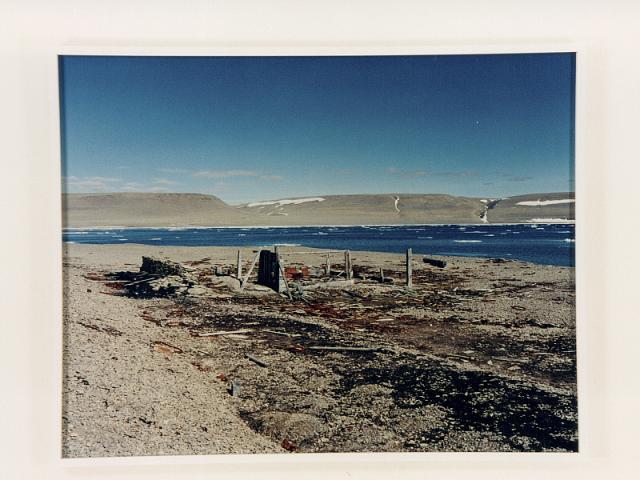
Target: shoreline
x,y
256,248
204,227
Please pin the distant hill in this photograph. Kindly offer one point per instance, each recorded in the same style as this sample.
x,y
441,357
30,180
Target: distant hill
x,y
186,209
381,209
533,207
148,210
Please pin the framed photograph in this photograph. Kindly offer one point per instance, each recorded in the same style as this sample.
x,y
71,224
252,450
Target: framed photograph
x,y
286,253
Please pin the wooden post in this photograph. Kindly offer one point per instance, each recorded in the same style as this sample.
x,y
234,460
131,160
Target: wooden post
x,y
328,270
409,268
284,279
381,275
347,264
239,266
268,271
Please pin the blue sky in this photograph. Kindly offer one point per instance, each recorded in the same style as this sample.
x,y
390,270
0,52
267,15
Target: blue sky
x,y
257,128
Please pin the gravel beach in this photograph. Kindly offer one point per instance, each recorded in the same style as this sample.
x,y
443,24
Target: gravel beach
x,y
476,356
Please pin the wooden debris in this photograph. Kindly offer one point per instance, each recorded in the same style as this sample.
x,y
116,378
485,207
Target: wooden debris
x,y
345,349
248,275
231,332
167,349
434,262
284,334
256,360
235,388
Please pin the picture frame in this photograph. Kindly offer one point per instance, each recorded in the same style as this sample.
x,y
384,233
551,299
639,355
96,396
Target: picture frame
x,y
601,450
312,52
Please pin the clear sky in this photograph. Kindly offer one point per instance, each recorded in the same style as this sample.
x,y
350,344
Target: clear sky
x,y
259,128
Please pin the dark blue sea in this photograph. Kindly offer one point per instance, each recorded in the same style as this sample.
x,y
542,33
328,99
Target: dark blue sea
x,y
550,244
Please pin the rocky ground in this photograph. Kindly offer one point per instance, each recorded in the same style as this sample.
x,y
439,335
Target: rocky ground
x,y
477,356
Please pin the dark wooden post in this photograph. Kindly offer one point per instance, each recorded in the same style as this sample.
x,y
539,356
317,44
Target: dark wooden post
x,y
268,270
409,268
239,266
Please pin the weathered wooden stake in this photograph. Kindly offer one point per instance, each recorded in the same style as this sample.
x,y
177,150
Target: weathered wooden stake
x,y
239,267
381,275
280,272
347,265
244,281
328,269
284,279
409,268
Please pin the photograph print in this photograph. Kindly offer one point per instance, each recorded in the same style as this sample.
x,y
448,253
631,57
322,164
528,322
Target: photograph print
x,y
318,254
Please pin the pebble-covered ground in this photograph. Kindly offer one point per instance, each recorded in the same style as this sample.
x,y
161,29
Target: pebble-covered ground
x,y
478,356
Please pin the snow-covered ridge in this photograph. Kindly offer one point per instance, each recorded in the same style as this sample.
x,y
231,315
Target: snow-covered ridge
x,y
288,201
541,203
551,220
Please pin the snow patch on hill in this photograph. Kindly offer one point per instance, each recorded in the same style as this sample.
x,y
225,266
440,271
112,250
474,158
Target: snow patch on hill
x,y
542,203
288,201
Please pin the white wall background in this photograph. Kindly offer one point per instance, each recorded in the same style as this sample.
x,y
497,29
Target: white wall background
x,y
32,31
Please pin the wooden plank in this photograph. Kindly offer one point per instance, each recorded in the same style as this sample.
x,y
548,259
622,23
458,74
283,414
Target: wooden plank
x,y
215,334
244,281
284,279
268,273
328,265
256,360
345,349
347,265
311,252
284,334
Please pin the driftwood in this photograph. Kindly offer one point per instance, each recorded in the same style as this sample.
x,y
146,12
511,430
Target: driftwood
x,y
346,349
434,262
284,334
257,361
284,279
215,334
140,281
